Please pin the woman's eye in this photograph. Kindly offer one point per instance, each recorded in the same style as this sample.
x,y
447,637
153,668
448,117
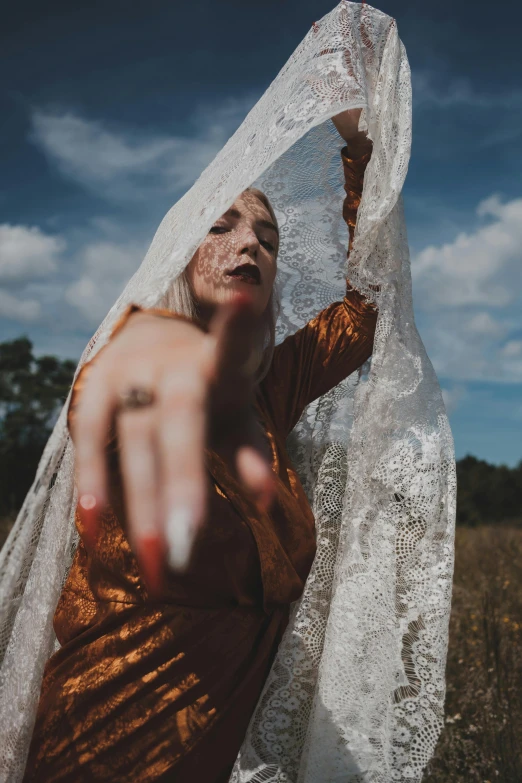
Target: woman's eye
x,y
218,230
268,245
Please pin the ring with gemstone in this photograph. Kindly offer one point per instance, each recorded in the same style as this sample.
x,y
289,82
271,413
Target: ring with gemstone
x,y
134,398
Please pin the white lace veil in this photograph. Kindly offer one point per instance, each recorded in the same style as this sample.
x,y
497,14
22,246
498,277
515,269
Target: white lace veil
x,y
357,688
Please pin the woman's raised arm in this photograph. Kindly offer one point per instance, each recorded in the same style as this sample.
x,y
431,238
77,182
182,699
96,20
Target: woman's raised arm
x,y
340,338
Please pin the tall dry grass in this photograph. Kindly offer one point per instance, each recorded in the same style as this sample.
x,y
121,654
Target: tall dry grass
x,y
482,738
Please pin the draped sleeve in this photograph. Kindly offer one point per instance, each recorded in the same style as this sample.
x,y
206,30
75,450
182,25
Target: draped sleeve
x,y
332,345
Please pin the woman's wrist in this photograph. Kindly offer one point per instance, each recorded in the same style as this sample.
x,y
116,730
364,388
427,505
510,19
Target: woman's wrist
x,y
357,146
347,124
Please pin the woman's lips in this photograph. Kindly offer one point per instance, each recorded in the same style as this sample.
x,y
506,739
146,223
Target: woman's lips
x,y
245,279
246,273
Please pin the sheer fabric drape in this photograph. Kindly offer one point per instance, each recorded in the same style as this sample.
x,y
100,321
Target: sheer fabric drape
x,y
357,688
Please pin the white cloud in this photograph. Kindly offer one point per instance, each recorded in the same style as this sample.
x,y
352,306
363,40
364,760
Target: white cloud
x,y
18,309
478,268
468,297
472,346
436,92
26,252
459,353
106,268
456,350
453,397
483,323
121,163
427,91
512,348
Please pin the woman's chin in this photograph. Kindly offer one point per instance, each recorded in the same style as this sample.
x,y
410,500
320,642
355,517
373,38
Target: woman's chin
x,y
253,290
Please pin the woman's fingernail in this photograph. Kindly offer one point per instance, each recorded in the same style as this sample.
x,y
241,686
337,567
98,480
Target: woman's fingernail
x,y
88,507
87,502
150,555
180,535
266,497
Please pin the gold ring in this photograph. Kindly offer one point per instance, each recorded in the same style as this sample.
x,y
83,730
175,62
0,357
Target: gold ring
x,y
134,398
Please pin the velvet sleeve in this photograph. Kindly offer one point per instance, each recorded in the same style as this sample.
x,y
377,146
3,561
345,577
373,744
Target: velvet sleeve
x,y
332,345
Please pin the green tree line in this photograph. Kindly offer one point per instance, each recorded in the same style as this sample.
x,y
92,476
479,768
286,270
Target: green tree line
x,y
33,390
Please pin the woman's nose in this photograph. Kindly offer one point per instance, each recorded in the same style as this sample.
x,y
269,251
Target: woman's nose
x,y
247,242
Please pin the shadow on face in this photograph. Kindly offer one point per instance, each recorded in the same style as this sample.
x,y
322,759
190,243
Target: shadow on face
x,y
239,253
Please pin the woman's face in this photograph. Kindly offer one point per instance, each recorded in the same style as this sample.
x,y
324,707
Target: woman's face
x,y
239,253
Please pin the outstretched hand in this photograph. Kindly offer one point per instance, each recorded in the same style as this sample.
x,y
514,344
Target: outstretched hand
x,y
203,398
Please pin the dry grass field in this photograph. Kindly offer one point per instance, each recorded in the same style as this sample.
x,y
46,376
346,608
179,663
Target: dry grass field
x,y
482,738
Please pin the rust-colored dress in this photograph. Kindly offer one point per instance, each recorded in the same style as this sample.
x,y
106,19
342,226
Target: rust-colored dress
x,y
145,690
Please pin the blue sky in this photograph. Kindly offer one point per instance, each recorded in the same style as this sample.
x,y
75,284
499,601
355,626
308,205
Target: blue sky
x,y
110,110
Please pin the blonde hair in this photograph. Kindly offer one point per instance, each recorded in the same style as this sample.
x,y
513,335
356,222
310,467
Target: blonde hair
x,y
180,299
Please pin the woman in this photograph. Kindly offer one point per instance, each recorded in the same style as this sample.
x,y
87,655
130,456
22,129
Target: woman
x,y
160,668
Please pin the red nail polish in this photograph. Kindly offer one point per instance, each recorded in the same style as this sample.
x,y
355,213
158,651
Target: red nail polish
x,y
88,508
151,557
266,496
